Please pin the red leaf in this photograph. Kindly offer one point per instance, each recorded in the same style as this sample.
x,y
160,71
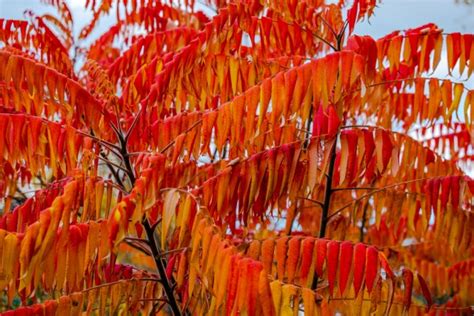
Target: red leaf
x,y
430,157
453,42
408,283
445,188
320,125
333,121
350,164
386,266
332,259
387,148
254,269
170,266
345,263
426,291
359,266
455,191
352,16
293,257
372,267
369,146
435,194
321,249
232,283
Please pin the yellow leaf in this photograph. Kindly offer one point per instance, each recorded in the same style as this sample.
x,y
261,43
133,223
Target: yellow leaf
x,y
223,260
458,91
234,72
289,291
184,215
169,213
275,288
9,255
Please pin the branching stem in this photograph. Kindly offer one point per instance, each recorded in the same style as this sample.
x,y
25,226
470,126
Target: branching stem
x,y
149,230
328,192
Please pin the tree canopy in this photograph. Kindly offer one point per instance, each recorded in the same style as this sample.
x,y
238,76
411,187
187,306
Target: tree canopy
x,y
259,160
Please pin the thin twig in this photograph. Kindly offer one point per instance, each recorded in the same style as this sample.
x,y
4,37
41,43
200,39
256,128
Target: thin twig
x,y
134,123
352,188
169,252
328,25
138,247
174,140
311,200
107,144
150,233
373,192
112,163
119,281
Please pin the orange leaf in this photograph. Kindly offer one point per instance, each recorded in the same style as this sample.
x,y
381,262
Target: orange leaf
x,y
293,257
307,247
243,286
453,43
281,249
266,300
268,247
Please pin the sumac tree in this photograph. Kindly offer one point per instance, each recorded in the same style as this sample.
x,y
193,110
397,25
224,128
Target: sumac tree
x,y
262,159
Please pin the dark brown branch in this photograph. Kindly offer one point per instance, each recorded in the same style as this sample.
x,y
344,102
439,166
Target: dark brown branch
x,y
166,253
112,147
364,219
373,192
328,192
313,201
327,201
174,140
132,127
149,230
352,188
138,247
161,267
329,177
308,125
110,164
119,281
